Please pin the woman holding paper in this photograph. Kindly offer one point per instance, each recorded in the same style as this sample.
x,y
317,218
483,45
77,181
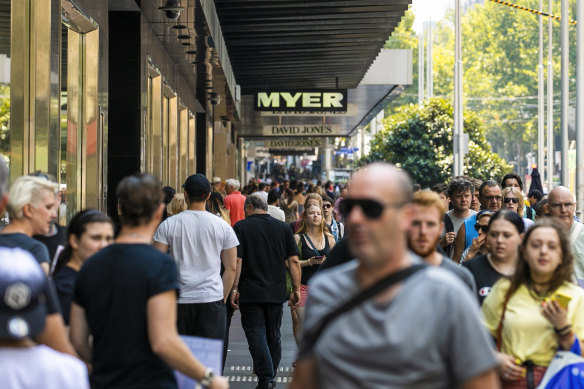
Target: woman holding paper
x,y
538,310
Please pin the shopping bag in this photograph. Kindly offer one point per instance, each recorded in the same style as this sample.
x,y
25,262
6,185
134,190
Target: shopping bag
x,y
566,371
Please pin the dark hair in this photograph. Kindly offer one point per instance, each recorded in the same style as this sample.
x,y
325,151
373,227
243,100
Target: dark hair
x,y
511,217
215,203
538,207
417,187
256,202
489,183
273,196
440,188
139,196
563,272
459,184
169,193
514,176
536,194
261,186
78,226
290,195
327,199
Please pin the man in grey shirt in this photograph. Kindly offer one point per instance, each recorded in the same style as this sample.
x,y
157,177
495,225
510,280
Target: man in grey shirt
x,y
424,233
424,332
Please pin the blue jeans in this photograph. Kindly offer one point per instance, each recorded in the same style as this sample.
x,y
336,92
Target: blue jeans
x,y
261,323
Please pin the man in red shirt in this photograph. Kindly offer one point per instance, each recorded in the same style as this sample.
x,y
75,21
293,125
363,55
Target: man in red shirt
x,y
234,201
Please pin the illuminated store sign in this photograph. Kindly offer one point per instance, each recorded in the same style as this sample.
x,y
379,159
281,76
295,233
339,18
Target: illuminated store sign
x,y
303,130
302,100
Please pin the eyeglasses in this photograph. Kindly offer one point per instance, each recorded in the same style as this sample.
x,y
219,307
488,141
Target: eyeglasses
x,y
484,228
513,200
327,206
562,205
491,198
371,208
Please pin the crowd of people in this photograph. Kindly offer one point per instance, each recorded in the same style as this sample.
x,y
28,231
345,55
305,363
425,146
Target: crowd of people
x,y
466,284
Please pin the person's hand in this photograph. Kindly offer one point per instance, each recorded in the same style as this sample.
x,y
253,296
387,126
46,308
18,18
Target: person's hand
x,y
448,238
555,314
316,260
508,369
219,383
294,298
234,299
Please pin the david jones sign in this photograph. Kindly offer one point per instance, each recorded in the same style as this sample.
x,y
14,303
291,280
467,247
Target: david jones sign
x,y
302,100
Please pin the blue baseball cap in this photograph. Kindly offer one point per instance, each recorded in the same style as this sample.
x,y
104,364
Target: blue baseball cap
x,y
22,294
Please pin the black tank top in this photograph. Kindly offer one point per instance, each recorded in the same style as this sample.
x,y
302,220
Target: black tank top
x,y
306,253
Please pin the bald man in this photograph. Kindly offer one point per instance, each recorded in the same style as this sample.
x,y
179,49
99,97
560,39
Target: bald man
x,y
397,338
563,206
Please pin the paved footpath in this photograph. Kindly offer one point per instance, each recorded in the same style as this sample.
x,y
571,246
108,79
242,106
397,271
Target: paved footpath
x,y
239,366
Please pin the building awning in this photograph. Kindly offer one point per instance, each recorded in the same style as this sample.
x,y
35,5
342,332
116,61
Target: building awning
x,y
305,44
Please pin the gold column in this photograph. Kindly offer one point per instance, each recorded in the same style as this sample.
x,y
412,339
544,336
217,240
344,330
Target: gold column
x,y
91,168
183,145
30,87
172,141
192,141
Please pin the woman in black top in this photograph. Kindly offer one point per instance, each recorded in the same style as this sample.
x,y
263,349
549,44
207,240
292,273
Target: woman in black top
x,y
504,235
314,243
89,231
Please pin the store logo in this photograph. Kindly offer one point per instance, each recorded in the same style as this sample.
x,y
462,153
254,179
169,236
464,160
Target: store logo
x,y
305,100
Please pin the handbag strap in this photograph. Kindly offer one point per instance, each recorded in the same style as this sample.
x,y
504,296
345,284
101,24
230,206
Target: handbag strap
x,y
311,336
312,246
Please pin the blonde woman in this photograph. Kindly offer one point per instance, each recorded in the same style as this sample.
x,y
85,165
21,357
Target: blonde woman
x,y
176,205
513,200
314,244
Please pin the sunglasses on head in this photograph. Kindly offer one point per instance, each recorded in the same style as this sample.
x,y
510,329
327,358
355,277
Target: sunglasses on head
x,y
514,200
370,208
479,227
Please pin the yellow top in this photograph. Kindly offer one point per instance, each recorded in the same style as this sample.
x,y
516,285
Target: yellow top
x,y
526,334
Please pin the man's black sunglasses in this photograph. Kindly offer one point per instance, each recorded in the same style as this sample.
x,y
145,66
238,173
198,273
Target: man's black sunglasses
x,y
371,208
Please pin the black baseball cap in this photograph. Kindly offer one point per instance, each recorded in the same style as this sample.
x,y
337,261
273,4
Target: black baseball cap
x,y
197,187
23,285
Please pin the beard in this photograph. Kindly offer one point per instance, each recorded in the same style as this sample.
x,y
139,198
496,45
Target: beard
x,y
424,253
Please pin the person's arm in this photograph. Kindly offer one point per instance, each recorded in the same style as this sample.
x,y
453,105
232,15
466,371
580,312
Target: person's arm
x,y
163,248
79,332
487,380
294,269
46,267
305,375
229,260
459,243
234,297
165,342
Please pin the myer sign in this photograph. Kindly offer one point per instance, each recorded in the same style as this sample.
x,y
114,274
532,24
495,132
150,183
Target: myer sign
x,y
302,100
304,130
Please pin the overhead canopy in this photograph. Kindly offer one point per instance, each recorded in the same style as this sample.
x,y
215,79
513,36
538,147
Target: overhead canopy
x,y
305,43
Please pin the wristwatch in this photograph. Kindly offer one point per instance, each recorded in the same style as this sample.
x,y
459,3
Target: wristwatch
x,y
208,377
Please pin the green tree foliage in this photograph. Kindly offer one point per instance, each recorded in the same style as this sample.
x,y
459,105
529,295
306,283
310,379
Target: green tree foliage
x,y
500,69
419,140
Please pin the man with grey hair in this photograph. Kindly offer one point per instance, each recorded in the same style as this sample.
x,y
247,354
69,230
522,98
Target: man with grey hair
x,y
234,201
413,320
563,206
266,245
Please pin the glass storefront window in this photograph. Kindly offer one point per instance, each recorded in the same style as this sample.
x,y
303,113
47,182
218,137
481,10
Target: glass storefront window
x,y
5,80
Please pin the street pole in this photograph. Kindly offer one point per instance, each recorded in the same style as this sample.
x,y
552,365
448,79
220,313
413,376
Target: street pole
x,y
458,123
580,106
429,65
550,104
421,68
565,93
540,98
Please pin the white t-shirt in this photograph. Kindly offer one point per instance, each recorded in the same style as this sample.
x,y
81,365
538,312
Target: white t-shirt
x,y
196,240
276,213
41,367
